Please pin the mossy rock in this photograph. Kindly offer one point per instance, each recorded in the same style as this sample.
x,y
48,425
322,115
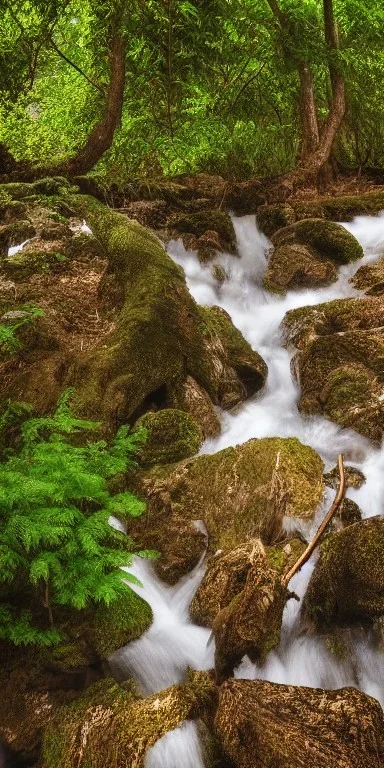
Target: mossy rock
x,y
120,623
198,224
264,724
341,361
347,584
329,240
341,376
249,366
265,479
271,218
250,623
172,435
370,278
226,575
302,325
110,725
294,266
5,199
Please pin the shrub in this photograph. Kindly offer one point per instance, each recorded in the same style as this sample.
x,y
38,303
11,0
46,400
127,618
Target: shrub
x,y
56,544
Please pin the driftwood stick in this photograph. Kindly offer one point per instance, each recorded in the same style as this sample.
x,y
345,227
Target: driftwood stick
x,y
320,531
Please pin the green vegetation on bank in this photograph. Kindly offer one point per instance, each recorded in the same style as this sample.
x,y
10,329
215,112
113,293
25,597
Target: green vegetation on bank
x,y
57,549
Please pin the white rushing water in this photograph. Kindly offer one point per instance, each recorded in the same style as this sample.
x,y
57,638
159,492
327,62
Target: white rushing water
x,y
161,656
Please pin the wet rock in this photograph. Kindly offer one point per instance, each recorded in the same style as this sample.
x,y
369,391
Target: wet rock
x,y
347,584
302,325
370,278
307,253
215,227
264,479
249,371
226,575
263,724
271,218
172,435
111,726
339,365
354,478
295,266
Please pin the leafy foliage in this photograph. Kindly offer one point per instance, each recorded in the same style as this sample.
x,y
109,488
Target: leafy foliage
x,y
56,544
9,341
210,85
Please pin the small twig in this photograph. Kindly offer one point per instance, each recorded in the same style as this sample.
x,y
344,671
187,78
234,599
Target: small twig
x,y
320,531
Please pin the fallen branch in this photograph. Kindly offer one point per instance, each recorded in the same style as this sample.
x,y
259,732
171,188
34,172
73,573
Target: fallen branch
x,y
320,531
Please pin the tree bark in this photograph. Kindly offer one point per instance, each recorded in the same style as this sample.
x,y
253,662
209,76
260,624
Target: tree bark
x,y
316,145
309,128
101,137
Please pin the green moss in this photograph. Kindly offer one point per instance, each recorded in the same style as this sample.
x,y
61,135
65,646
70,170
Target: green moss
x,y
347,584
271,218
329,240
124,621
33,261
248,364
235,490
110,726
5,199
172,435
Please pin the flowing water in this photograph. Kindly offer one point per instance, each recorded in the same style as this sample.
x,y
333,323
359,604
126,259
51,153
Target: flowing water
x,y
161,656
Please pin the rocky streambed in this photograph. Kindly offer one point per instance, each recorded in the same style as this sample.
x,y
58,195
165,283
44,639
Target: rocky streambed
x,y
267,362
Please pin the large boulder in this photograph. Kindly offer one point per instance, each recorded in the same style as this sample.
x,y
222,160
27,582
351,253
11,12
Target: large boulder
x,y
348,581
111,726
340,362
307,253
262,724
238,493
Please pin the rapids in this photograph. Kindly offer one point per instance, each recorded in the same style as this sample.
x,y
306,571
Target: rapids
x,y
161,656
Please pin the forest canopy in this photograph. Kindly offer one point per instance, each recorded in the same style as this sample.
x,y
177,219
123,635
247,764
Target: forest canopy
x,y
152,87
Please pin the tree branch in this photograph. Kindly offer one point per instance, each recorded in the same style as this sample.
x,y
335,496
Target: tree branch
x,y
320,531
75,66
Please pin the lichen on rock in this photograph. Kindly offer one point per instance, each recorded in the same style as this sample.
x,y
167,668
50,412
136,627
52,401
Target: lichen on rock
x,y
264,724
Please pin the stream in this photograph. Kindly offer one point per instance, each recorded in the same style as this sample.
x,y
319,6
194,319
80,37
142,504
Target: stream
x,y
161,656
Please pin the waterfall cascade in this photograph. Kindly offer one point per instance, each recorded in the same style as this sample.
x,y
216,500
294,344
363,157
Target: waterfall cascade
x,y
161,656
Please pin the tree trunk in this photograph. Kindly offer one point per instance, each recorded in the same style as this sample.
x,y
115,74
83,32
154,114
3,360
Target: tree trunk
x,y
309,128
317,159
101,137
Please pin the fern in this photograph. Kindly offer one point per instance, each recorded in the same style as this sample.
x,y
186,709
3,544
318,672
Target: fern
x,y
55,537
